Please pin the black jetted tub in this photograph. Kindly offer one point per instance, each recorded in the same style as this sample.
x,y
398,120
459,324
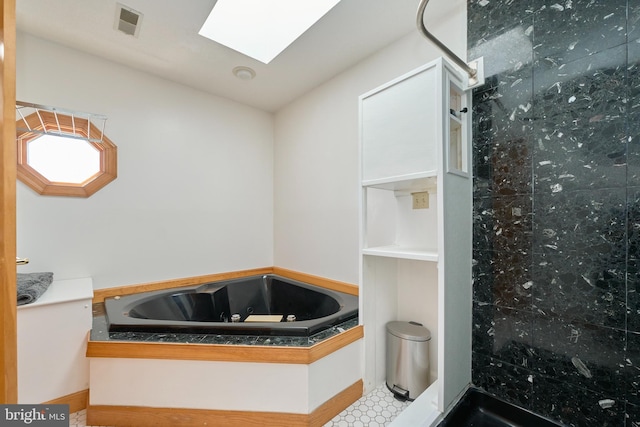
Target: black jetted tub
x,y
257,305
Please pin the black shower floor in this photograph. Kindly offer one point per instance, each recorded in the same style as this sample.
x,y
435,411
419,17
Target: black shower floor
x,y
478,409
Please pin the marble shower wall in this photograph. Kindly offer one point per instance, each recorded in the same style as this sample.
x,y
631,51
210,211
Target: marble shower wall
x,y
556,321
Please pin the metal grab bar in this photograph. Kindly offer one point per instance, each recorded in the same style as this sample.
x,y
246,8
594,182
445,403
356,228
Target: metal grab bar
x,y
473,73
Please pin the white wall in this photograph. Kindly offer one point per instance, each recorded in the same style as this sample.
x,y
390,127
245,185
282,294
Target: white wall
x,y
194,193
316,171
201,186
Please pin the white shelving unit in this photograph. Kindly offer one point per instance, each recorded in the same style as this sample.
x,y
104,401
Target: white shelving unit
x,y
416,221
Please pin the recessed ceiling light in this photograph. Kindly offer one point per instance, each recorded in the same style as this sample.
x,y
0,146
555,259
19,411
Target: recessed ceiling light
x,y
244,73
262,29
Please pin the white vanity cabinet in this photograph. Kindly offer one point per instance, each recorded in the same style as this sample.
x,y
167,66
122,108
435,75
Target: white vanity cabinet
x,y
416,221
52,342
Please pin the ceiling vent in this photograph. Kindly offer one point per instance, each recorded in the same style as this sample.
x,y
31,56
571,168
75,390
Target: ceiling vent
x,y
127,20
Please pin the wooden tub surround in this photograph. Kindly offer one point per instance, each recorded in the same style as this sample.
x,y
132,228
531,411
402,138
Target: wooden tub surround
x,y
136,383
100,294
133,416
223,353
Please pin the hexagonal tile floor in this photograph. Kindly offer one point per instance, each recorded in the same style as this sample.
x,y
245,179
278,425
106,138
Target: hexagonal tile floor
x,y
376,409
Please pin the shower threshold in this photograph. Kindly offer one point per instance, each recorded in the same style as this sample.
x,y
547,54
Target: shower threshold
x,y
478,409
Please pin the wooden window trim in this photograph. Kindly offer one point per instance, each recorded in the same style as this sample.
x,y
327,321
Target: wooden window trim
x,y
66,124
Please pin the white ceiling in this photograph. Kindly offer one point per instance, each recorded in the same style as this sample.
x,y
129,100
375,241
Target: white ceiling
x,y
169,46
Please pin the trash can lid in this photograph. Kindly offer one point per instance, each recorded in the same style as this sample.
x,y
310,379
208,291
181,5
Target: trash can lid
x,y
409,330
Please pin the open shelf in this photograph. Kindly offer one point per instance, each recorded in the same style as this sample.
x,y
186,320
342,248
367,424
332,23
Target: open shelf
x,y
394,229
409,183
395,251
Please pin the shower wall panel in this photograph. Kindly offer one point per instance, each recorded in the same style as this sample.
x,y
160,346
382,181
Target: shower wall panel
x,y
556,140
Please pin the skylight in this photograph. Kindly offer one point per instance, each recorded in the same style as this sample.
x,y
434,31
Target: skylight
x,y
262,29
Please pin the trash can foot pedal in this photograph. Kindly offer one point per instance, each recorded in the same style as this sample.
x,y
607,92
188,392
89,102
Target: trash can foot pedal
x,y
399,393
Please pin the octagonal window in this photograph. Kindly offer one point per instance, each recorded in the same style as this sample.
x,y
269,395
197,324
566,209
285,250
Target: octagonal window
x,y
63,155
63,159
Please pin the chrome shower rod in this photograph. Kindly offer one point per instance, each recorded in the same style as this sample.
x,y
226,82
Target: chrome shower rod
x,y
472,72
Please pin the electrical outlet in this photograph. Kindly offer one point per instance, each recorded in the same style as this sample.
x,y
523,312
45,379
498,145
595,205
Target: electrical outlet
x,y
420,200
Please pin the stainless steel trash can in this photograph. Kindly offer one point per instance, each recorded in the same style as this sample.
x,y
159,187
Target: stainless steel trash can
x,y
407,359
